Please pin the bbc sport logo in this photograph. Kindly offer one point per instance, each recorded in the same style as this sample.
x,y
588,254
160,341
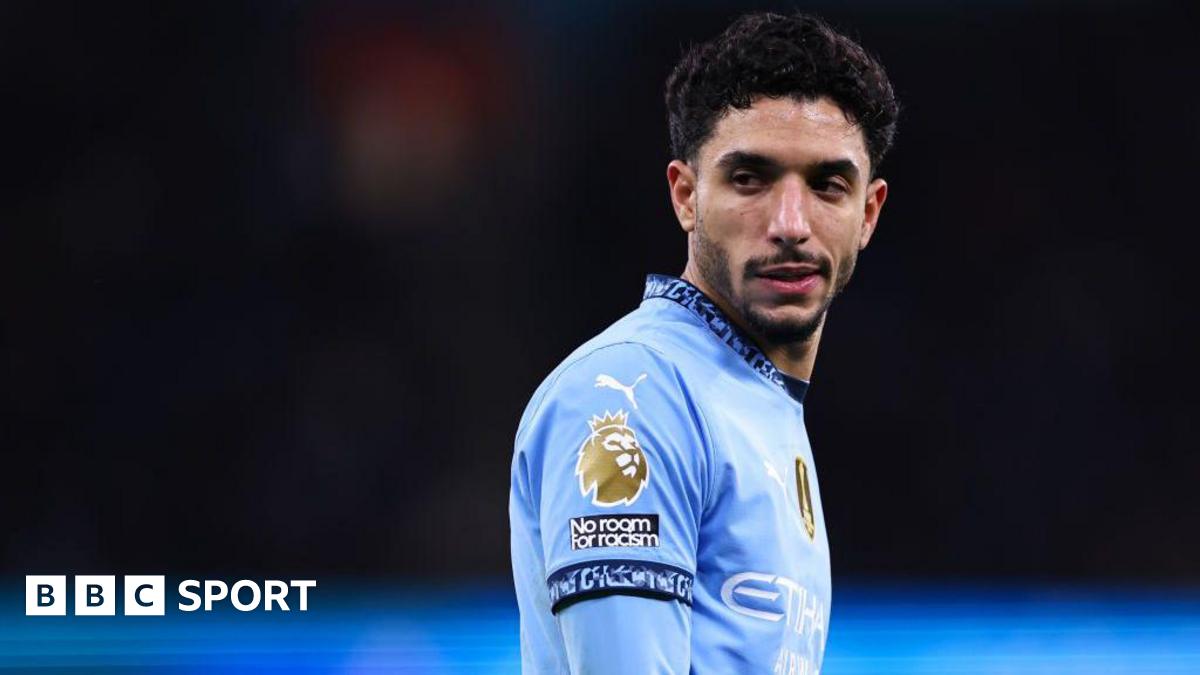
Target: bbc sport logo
x,y
145,595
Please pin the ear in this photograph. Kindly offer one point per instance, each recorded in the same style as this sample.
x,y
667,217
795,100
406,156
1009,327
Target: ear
x,y
682,181
877,192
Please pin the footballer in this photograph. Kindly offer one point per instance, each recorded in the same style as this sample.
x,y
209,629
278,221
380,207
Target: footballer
x,y
665,510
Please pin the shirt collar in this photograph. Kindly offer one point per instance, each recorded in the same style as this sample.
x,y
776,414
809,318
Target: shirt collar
x,y
679,291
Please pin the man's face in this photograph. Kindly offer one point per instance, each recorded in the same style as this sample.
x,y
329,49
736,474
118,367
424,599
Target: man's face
x,y
777,206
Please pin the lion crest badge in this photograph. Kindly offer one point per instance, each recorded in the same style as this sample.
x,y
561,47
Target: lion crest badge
x,y
611,463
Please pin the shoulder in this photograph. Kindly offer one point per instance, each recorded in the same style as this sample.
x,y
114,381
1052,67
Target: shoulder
x,y
631,381
609,375
614,420
651,340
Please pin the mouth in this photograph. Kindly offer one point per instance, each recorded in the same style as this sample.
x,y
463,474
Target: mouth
x,y
790,278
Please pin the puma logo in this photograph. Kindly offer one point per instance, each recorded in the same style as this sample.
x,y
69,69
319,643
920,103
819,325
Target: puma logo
x,y
611,382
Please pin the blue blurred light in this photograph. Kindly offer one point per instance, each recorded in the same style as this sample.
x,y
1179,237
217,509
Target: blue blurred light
x,y
876,628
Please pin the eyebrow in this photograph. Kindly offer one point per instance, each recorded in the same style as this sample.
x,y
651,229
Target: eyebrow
x,y
838,167
740,158
743,159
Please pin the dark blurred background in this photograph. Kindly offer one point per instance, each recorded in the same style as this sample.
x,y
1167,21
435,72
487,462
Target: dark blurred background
x,y
277,279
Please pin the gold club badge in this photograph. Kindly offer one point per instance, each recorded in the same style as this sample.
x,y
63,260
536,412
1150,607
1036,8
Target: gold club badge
x,y
611,463
804,496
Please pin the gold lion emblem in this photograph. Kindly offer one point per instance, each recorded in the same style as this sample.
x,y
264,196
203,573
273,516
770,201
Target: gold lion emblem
x,y
611,462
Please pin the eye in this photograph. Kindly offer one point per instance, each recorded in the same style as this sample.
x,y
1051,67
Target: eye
x,y
832,186
746,179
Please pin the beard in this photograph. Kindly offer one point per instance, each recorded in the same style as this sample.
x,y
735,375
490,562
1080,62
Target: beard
x,y
712,263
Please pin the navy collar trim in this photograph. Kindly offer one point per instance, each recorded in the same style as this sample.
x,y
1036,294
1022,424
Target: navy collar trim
x,y
682,292
795,386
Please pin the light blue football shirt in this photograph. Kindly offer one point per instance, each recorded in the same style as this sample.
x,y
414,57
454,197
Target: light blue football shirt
x,y
664,505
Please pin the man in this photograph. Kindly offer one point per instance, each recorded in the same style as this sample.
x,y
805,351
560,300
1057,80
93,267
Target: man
x,y
664,504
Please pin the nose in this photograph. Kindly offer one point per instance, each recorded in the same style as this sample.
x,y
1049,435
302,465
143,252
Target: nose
x,y
789,222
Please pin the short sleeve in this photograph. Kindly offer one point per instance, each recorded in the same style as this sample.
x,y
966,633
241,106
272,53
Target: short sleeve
x,y
621,459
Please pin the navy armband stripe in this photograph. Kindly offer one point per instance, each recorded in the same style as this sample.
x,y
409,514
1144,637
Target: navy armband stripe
x,y
598,578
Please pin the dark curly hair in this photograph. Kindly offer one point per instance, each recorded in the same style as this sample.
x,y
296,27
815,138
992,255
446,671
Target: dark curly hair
x,y
765,54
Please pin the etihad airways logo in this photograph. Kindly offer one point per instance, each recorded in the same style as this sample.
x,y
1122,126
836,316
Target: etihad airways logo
x,y
775,598
145,595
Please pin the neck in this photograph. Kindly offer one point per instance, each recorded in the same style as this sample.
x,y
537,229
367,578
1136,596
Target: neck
x,y
796,359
